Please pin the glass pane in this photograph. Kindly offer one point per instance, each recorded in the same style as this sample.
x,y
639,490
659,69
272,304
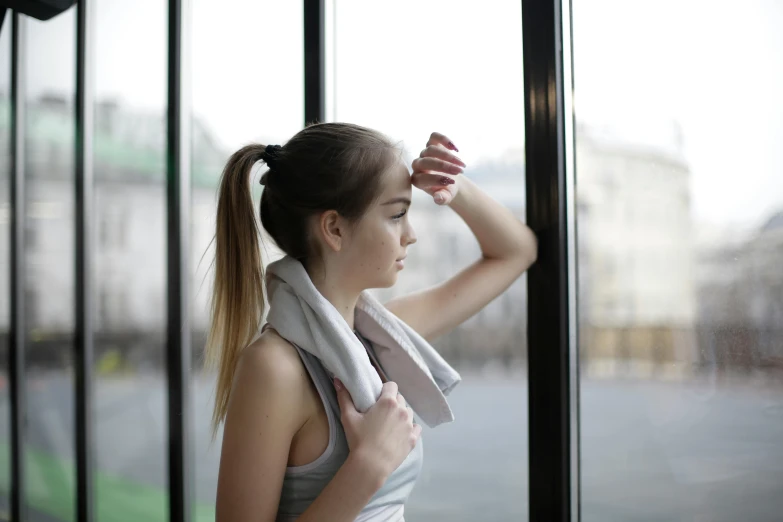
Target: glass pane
x,y
413,74
129,228
49,264
5,258
239,97
680,209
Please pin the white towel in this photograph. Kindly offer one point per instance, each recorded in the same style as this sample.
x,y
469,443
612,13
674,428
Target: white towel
x,y
299,312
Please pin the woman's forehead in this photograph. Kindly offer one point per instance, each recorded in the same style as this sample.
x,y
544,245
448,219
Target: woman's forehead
x,y
397,179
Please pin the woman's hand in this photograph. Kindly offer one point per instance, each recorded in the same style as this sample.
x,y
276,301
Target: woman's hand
x,y
436,170
385,434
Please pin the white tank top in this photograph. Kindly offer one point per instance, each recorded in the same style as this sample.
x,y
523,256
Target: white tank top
x,y
302,484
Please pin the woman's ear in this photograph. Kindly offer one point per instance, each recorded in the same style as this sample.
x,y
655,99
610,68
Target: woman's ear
x,y
331,228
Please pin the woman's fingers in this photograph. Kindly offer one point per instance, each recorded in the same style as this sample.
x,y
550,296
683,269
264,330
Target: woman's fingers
x,y
435,165
441,187
426,180
443,197
401,401
438,151
437,137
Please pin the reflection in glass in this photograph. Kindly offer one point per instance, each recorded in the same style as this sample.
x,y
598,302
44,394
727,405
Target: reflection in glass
x,y
425,69
239,96
49,265
680,216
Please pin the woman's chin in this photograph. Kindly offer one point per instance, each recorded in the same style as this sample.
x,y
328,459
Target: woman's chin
x,y
389,281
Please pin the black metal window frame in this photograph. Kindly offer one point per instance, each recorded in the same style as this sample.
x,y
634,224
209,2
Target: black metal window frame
x,y
552,356
178,345
84,251
16,341
553,388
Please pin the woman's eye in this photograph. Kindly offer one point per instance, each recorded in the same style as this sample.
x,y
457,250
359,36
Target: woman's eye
x,y
399,216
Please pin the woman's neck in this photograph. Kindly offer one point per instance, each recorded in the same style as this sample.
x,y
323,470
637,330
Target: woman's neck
x,y
341,297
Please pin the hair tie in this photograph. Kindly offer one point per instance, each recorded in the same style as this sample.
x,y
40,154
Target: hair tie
x,y
269,156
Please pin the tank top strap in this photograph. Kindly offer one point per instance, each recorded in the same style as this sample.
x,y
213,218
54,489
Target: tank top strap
x,y
321,379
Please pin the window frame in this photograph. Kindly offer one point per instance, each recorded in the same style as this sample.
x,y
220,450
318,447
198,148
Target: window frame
x,y
553,386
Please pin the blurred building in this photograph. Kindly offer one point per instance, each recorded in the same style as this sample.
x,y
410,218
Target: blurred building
x,y
637,292
130,224
130,239
741,297
643,305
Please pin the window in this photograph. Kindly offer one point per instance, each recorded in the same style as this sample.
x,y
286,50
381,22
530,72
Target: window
x,y
49,173
685,429
394,73
112,228
248,86
129,146
679,243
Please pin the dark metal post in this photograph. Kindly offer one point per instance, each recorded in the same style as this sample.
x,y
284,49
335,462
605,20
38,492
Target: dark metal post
x,y
553,418
178,234
315,85
84,199
18,276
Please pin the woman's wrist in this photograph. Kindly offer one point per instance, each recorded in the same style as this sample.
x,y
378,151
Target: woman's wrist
x,y
464,194
367,467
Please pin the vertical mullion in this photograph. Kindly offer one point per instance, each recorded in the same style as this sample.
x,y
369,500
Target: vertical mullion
x,y
569,156
84,198
314,58
178,329
551,369
18,276
330,60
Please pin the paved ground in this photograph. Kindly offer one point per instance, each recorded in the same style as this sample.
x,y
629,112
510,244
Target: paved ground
x,y
650,451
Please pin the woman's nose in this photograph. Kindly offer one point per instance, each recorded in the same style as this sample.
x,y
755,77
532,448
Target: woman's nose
x,y
410,238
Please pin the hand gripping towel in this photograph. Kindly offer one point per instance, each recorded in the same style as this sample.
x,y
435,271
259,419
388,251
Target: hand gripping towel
x,y
303,316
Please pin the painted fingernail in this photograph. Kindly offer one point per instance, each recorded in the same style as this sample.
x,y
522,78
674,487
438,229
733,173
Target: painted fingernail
x,y
338,384
446,181
454,147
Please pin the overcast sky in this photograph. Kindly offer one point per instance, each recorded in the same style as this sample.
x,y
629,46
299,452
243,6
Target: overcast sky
x,y
412,66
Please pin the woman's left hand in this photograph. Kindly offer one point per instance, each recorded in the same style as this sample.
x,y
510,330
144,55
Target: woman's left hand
x,y
436,171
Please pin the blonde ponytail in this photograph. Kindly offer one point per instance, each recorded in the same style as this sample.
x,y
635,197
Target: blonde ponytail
x,y
237,304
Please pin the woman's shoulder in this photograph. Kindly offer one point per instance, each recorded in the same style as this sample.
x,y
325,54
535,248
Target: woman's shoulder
x,y
273,365
270,351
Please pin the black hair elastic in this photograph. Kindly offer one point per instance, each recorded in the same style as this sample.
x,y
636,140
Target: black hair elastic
x,y
269,156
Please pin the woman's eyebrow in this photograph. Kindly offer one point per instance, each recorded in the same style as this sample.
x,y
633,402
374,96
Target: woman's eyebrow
x,y
397,200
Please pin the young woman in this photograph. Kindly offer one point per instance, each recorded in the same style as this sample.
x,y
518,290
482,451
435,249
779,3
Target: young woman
x,y
336,198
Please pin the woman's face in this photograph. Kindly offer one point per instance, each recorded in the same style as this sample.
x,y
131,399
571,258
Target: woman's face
x,y
382,236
